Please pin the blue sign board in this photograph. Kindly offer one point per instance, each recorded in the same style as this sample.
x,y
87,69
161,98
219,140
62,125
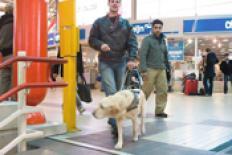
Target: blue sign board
x,y
54,38
208,25
142,28
82,34
145,29
175,50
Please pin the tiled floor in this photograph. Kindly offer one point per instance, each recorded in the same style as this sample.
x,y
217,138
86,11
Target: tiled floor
x,y
195,126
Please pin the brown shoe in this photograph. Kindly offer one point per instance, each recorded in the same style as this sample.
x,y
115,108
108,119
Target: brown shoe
x,y
161,115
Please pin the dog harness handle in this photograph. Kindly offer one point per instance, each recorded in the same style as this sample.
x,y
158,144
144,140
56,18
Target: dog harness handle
x,y
134,104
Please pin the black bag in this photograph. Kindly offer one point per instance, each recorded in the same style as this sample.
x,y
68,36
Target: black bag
x,y
202,92
84,92
191,76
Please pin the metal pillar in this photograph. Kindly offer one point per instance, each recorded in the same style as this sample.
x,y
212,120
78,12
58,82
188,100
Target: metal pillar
x,y
196,56
133,10
69,48
22,124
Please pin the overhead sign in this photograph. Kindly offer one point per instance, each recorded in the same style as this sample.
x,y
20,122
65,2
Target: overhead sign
x,y
175,50
145,29
208,25
54,38
142,28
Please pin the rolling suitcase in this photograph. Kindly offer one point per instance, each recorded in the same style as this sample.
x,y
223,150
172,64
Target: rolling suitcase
x,y
191,87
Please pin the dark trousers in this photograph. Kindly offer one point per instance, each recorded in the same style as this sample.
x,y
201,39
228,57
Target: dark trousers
x,y
208,85
226,79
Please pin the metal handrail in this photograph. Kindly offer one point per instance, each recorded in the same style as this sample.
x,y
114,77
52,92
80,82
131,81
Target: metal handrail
x,y
22,135
17,140
32,59
31,85
17,113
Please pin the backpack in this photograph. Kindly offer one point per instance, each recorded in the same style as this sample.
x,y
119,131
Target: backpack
x,y
202,92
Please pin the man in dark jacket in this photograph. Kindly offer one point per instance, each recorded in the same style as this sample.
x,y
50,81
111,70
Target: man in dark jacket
x,y
226,68
153,66
115,40
209,71
6,46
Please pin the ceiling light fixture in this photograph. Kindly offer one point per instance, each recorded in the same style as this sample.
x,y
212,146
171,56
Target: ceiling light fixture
x,y
219,45
225,40
189,41
215,41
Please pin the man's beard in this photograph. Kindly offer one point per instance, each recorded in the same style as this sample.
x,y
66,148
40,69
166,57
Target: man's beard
x,y
157,34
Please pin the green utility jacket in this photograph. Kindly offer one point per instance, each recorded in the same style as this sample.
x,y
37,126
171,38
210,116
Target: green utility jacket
x,y
153,53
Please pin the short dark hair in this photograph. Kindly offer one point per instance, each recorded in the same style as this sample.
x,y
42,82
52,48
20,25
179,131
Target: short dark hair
x,y
119,0
157,21
207,49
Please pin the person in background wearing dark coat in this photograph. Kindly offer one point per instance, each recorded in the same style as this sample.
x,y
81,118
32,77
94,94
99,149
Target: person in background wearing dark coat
x,y
209,71
6,46
226,68
80,78
58,69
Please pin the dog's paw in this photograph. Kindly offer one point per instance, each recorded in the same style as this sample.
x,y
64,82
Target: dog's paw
x,y
118,146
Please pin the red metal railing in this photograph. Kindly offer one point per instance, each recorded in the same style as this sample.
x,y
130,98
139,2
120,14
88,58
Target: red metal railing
x,y
31,85
34,84
32,59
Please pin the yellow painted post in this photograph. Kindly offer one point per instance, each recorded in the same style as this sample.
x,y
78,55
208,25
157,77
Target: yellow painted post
x,y
69,44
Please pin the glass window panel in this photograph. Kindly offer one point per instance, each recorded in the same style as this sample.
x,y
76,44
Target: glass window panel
x,y
214,7
150,9
147,9
87,11
177,8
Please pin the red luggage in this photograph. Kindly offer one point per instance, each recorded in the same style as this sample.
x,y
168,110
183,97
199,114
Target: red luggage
x,y
191,87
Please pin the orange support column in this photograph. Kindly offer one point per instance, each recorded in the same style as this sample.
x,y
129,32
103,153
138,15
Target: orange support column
x,y
0,58
30,35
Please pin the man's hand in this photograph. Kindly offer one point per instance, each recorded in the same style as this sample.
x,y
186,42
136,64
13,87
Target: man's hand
x,y
131,65
105,48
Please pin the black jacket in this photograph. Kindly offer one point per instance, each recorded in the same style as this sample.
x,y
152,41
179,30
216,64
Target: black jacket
x,y
119,36
6,34
210,62
226,67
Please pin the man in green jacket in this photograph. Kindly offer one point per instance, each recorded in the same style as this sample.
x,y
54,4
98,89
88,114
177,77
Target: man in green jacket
x,y
153,66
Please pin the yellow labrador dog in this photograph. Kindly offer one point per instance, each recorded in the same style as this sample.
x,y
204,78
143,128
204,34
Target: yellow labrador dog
x,y
122,105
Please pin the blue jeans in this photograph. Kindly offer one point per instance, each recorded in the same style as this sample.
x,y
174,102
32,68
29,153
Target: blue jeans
x,y
208,85
226,79
113,76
